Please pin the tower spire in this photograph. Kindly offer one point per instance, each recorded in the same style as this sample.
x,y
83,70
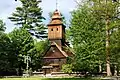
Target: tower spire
x,y
56,4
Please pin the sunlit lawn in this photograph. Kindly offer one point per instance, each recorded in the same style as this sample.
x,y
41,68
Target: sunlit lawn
x,y
47,79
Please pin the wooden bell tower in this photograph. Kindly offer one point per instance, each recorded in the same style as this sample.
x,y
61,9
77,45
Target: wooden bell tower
x,y
56,29
56,55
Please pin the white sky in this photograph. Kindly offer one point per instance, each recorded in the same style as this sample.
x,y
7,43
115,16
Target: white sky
x,y
8,6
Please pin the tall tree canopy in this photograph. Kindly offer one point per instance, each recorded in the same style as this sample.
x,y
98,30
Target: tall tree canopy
x,y
92,25
29,16
22,45
107,10
7,56
87,35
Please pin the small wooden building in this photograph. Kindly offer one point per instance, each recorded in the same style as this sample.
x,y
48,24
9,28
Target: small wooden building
x,y
56,55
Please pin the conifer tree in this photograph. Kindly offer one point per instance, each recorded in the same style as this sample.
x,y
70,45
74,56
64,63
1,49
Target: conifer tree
x,y
2,26
29,16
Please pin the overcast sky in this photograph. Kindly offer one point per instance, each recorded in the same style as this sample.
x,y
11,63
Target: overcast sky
x,y
8,6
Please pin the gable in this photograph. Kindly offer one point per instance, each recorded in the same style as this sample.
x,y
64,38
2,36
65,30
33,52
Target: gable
x,y
54,52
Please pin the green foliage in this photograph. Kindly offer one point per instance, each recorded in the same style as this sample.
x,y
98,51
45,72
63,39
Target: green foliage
x,y
29,16
16,45
103,9
89,25
67,34
22,45
40,48
115,48
22,40
108,11
87,35
67,68
2,26
7,57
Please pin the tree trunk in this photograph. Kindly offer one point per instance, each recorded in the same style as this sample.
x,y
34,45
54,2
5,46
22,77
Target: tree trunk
x,y
108,46
100,68
115,70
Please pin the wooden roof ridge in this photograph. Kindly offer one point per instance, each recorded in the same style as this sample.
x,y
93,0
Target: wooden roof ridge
x,y
46,50
56,18
64,53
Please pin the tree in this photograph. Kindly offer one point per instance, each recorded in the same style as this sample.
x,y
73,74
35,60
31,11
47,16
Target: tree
x,y
87,36
115,49
22,45
40,49
108,12
2,26
7,57
103,16
29,16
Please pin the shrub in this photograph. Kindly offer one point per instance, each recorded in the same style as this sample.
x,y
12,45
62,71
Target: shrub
x,y
67,68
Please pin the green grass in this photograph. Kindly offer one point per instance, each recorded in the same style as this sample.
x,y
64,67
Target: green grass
x,y
47,79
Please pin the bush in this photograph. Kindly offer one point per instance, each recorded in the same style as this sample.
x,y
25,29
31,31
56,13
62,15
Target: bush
x,y
67,68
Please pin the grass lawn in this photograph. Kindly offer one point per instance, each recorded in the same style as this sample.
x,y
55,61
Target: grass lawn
x,y
47,79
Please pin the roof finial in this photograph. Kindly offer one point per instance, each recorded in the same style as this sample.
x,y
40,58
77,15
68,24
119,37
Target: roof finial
x,y
56,4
